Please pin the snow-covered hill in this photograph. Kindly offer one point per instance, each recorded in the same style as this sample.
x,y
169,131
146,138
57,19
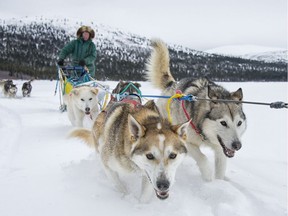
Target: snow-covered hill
x,y
31,46
259,53
104,33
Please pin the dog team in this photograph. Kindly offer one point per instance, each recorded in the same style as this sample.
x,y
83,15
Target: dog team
x,y
132,137
10,89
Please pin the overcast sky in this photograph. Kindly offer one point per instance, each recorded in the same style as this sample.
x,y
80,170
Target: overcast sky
x,y
198,24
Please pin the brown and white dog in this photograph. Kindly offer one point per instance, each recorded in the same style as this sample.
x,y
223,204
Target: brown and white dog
x,y
135,138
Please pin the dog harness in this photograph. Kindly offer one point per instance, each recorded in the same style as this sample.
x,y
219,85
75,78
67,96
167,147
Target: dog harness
x,y
179,92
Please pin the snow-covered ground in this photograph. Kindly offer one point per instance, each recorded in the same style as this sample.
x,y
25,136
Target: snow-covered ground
x,y
44,173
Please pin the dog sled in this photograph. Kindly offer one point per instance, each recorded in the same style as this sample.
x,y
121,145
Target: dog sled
x,y
70,77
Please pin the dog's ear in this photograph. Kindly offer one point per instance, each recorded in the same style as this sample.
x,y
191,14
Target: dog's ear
x,y
211,93
237,95
138,85
118,87
95,91
152,106
181,129
135,128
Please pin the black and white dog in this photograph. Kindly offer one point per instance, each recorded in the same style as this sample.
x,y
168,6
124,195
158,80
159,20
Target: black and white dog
x,y
27,88
9,88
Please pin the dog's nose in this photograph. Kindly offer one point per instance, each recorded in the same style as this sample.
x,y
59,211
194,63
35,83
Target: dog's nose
x,y
236,145
163,185
87,109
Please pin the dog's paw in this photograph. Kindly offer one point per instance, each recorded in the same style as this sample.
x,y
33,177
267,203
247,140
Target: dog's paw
x,y
207,173
207,178
145,198
122,189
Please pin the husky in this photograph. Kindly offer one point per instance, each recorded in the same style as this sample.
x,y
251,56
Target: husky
x,y
27,88
216,124
124,86
81,101
138,140
123,92
9,88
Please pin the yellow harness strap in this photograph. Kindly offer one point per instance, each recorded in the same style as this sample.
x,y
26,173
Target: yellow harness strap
x,y
105,101
168,105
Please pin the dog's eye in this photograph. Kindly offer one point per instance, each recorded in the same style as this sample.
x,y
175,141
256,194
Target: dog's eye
x,y
90,99
223,123
82,99
239,123
150,156
172,156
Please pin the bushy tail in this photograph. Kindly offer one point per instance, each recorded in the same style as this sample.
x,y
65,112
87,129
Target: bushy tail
x,y
85,135
158,68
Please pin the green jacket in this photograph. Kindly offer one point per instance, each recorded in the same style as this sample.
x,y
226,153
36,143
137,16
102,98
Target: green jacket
x,y
81,50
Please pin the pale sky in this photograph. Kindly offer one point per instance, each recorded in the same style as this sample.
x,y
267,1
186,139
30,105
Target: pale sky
x,y
198,24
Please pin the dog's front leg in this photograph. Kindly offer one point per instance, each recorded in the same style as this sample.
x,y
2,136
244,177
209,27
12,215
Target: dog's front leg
x,y
79,119
220,163
114,177
146,190
201,160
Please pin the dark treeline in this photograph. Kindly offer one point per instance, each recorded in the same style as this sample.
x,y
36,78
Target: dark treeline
x,y
32,49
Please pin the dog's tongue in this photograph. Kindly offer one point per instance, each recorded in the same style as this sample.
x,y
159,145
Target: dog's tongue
x,y
229,152
162,195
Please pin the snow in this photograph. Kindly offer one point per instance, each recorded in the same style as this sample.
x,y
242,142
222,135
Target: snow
x,y
242,49
260,53
42,172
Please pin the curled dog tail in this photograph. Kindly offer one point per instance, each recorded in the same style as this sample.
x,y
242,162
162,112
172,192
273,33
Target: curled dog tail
x,y
85,135
158,68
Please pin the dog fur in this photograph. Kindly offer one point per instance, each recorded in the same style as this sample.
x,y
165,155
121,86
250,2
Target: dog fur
x,y
219,125
120,87
137,139
81,101
27,88
123,84
9,89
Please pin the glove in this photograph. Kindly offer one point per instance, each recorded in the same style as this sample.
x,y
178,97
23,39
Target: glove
x,y
82,62
60,62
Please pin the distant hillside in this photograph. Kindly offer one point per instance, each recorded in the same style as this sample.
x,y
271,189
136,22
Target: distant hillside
x,y
258,53
30,46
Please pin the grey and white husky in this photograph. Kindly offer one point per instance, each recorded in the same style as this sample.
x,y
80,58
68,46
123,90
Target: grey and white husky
x,y
216,124
27,88
9,88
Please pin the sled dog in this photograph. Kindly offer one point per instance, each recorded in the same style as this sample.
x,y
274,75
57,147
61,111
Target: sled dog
x,y
127,89
137,139
9,88
131,96
27,88
81,101
216,124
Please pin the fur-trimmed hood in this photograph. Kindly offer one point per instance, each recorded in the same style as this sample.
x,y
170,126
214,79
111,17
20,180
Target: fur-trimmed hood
x,y
85,29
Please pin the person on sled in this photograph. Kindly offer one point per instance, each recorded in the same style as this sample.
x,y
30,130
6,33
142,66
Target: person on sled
x,y
82,50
